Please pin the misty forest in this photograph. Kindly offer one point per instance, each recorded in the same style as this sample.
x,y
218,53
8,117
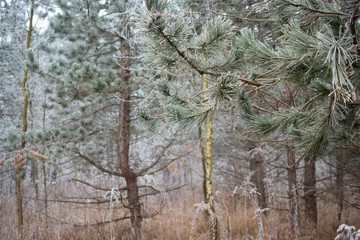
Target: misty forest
x,y
186,119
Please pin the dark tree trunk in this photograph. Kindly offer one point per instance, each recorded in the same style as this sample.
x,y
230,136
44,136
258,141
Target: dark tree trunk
x,y
258,170
293,192
339,188
124,144
310,190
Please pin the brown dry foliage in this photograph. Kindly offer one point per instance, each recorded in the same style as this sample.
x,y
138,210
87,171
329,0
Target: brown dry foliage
x,y
174,221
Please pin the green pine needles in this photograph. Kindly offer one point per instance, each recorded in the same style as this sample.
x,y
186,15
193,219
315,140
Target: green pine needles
x,y
299,76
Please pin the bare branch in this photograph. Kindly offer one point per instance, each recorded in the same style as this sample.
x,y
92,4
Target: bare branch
x,y
158,191
90,185
97,165
158,158
94,201
162,167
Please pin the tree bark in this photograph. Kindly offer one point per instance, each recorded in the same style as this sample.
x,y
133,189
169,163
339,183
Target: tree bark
x,y
257,178
124,144
340,184
310,190
206,151
21,158
293,192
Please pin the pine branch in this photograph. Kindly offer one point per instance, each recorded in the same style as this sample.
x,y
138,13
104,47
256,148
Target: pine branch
x,y
186,115
90,185
179,52
183,56
307,8
236,16
313,139
278,123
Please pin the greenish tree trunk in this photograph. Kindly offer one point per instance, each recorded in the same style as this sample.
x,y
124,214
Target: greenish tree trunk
x,y
20,159
207,163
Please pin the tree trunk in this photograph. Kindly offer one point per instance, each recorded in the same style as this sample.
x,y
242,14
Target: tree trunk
x,y
293,192
34,164
257,168
340,184
19,208
206,151
21,158
43,167
124,144
310,190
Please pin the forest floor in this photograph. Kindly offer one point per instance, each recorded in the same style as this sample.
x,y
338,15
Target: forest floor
x,y
177,217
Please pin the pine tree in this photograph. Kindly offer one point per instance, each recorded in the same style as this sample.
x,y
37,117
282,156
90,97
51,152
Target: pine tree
x,y
94,71
15,45
296,81
187,54
93,65
317,53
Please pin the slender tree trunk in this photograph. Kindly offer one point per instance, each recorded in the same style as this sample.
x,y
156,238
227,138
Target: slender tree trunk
x,y
340,184
293,192
19,208
258,170
35,178
124,144
207,163
21,159
34,164
43,167
310,190
45,192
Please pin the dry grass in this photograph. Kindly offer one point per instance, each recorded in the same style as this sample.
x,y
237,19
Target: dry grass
x,y
173,222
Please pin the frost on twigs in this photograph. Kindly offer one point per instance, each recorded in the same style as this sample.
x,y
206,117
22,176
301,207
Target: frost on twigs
x,y
213,216
249,190
114,195
345,232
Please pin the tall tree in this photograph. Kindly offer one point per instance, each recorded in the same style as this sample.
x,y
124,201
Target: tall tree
x,y
190,72
124,137
93,69
90,82
20,159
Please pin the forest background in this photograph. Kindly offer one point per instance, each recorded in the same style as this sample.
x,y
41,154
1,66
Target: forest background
x,y
206,119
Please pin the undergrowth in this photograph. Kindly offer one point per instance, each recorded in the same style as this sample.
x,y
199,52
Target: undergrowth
x,y
184,219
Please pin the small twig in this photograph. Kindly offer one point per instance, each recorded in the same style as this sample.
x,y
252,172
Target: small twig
x,y
314,10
